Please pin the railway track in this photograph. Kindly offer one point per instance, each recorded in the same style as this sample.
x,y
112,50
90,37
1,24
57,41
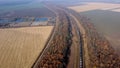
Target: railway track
x,y
80,46
80,31
79,59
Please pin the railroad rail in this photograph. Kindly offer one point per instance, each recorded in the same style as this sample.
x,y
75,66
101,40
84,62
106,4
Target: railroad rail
x,y
79,60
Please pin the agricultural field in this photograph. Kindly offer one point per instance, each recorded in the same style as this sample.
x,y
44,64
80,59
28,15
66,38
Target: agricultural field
x,y
105,17
20,47
94,6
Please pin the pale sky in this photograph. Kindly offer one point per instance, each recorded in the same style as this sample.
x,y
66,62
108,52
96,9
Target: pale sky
x,y
62,0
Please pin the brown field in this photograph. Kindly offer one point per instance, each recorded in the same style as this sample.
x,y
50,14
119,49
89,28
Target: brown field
x,y
95,6
20,47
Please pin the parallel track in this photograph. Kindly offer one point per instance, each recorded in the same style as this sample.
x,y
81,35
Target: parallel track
x,y
80,61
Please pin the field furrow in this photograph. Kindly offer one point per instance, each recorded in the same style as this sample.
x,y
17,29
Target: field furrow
x,y
20,47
